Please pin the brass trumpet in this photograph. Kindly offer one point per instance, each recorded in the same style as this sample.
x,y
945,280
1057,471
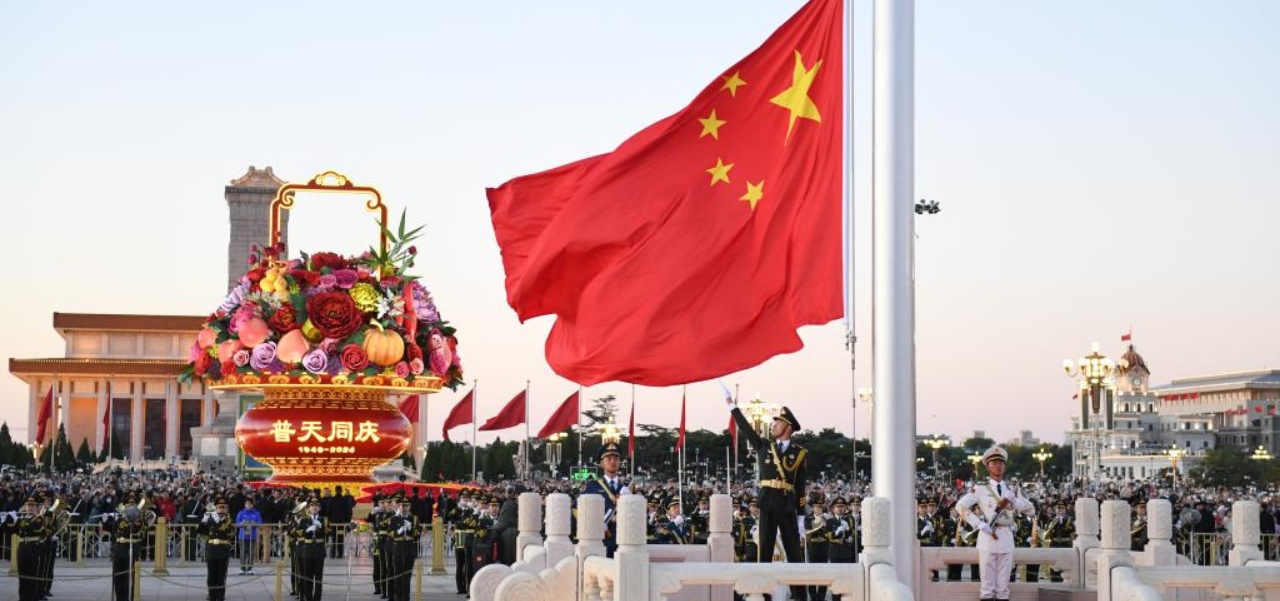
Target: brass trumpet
x,y
147,515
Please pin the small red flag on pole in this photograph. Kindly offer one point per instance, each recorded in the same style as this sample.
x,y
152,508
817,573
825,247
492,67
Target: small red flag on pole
x,y
461,414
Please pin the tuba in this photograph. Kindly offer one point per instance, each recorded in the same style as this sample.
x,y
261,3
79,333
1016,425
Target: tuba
x,y
148,516
61,516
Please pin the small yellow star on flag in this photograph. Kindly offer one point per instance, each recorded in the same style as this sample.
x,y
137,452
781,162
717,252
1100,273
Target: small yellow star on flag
x,y
732,83
754,193
720,173
711,125
796,98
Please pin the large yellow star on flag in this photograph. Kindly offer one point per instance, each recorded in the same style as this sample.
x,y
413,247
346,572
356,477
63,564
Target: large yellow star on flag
x,y
711,125
754,193
796,98
720,173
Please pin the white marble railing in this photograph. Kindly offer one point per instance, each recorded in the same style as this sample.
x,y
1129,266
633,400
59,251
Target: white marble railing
x,y
1157,576
642,572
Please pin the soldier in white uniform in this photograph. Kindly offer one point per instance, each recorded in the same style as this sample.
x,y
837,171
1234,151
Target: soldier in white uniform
x,y
989,508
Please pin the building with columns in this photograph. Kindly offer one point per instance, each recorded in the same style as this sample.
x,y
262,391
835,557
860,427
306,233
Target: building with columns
x,y
117,379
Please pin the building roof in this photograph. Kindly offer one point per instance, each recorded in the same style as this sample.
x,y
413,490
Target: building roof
x,y
1134,361
257,178
1267,379
23,368
137,323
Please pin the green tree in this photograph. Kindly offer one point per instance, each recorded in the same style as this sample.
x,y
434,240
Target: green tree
x,y
1226,467
7,454
83,455
603,410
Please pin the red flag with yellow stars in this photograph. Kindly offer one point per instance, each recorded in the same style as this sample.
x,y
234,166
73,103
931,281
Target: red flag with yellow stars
x,y
698,246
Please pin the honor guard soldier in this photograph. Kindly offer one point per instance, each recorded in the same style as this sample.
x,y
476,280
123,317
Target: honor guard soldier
x,y
1060,532
377,518
609,486
783,480
700,522
841,535
745,534
32,529
292,541
404,548
671,528
220,534
817,544
312,532
1138,532
989,508
129,535
464,538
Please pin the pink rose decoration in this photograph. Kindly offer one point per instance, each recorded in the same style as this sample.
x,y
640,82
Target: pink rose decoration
x,y
416,366
402,369
240,358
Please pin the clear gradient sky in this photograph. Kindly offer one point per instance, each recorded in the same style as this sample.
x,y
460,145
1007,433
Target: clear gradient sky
x,y
1101,165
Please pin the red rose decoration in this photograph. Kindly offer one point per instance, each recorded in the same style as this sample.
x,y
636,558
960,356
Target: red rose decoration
x,y
304,278
202,363
255,275
412,351
334,314
228,367
284,319
331,260
354,358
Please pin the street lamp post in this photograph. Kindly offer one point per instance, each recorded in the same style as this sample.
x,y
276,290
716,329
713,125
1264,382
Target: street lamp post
x,y
975,458
935,444
554,448
1095,373
761,415
1174,454
1041,456
1261,454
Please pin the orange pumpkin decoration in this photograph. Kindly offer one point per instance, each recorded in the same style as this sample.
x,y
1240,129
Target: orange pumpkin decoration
x,y
384,347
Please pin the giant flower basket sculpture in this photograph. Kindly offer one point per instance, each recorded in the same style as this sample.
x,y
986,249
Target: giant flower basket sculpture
x,y
326,339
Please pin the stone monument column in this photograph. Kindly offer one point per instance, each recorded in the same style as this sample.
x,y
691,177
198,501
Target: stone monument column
x,y
249,203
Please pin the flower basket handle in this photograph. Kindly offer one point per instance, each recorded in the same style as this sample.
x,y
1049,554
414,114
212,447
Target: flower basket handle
x,y
329,182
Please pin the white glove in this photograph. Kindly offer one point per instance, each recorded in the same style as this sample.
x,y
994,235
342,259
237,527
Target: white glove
x,y
986,529
679,520
311,529
800,523
842,529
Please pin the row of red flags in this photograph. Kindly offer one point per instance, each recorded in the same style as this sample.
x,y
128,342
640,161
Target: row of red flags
x,y
515,412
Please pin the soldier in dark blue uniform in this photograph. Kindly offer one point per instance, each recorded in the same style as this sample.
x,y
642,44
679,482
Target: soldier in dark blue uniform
x,y
405,530
129,536
671,529
220,533
783,481
312,532
608,485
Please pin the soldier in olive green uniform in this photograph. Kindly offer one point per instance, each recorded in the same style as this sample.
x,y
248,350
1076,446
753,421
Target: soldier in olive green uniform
x,y
405,530
32,529
817,528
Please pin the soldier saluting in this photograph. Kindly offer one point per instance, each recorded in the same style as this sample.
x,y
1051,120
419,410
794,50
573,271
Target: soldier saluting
x,y
782,486
219,533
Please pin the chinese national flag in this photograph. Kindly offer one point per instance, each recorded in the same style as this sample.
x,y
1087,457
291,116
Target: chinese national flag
x,y
564,418
680,440
699,245
631,433
42,420
511,415
409,408
463,413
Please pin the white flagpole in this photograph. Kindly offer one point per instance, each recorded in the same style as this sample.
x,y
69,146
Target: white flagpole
x,y
893,287
475,394
526,429
631,427
580,429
